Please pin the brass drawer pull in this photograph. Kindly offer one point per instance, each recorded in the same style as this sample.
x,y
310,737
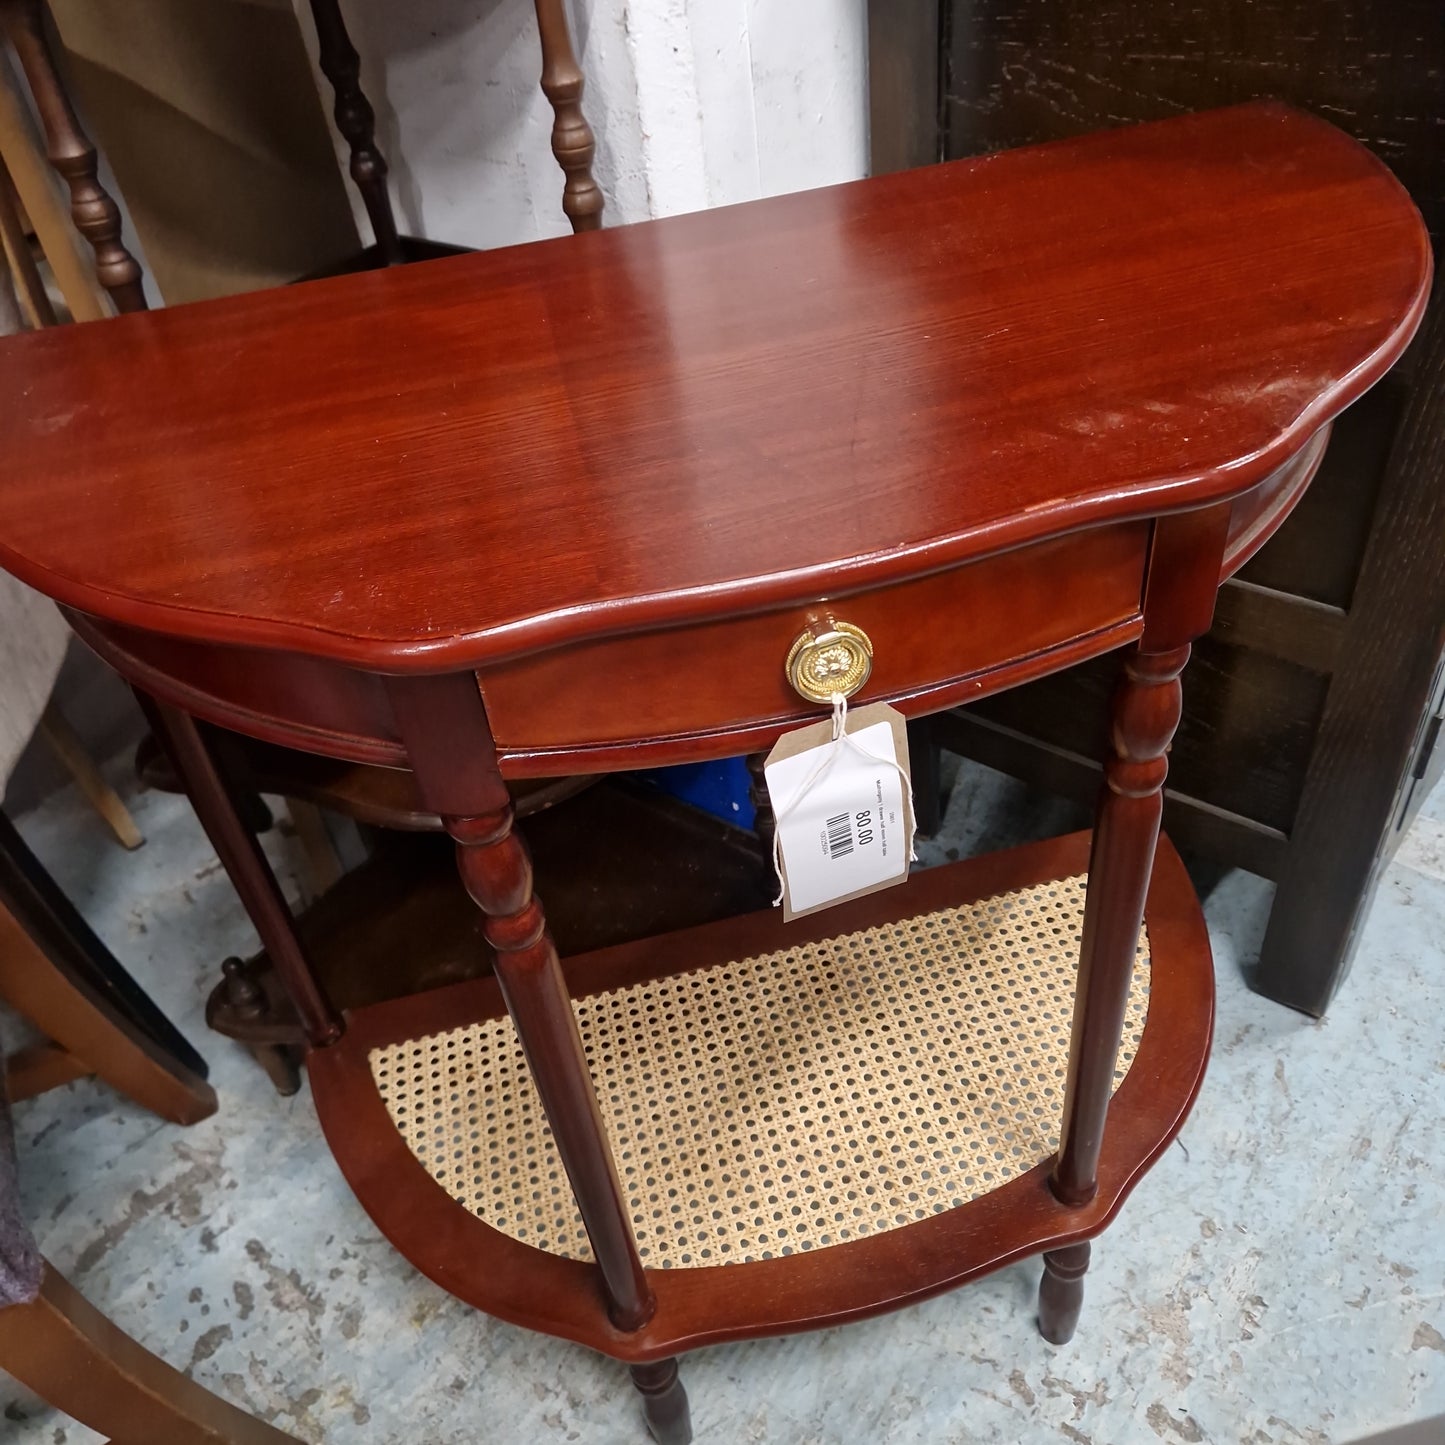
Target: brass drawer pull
x,y
837,657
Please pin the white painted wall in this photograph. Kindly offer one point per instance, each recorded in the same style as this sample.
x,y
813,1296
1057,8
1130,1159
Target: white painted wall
x,y
695,103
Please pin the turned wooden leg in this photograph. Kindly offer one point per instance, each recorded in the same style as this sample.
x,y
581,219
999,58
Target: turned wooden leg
x,y
449,744
664,1402
356,121
572,140
1061,1292
245,864
497,872
1126,828
96,215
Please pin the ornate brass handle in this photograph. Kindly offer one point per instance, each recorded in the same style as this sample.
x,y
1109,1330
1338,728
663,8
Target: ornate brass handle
x,y
832,657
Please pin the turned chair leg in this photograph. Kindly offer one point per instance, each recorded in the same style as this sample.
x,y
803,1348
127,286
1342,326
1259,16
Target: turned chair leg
x,y
573,143
1061,1292
92,208
664,1401
356,121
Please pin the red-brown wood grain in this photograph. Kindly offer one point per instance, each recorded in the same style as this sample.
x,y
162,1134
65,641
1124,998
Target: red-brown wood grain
x,y
444,465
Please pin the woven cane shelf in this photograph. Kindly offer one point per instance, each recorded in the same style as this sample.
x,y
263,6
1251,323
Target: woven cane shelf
x,y
878,1085
790,1101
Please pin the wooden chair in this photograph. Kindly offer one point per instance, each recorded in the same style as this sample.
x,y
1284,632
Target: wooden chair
x,y
73,158
53,969
25,300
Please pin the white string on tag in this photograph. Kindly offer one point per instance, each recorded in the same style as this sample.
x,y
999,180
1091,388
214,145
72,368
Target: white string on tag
x,y
841,741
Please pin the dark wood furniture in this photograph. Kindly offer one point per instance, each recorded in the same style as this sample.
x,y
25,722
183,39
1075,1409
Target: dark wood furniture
x,y
1316,700
96,215
98,218
1003,416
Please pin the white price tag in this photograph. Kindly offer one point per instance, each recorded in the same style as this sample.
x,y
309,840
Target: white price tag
x,y
843,808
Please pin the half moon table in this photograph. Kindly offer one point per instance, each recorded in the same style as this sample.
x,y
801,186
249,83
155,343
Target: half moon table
x,y
568,508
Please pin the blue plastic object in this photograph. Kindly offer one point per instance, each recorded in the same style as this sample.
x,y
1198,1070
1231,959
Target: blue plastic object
x,y
719,788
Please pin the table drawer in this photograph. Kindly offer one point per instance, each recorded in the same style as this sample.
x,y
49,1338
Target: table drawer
x,y
935,640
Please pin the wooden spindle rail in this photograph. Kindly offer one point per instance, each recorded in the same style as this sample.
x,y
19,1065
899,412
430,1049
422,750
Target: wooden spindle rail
x,y
573,143
356,121
71,152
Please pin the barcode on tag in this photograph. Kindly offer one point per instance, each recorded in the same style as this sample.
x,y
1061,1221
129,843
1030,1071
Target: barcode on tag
x,y
843,819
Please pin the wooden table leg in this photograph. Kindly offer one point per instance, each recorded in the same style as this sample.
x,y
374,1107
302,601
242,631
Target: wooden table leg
x,y
1126,829
664,1402
498,875
245,864
1061,1292
449,743
1178,607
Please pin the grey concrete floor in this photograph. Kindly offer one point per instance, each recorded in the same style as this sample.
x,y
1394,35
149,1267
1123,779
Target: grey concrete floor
x,y
1278,1277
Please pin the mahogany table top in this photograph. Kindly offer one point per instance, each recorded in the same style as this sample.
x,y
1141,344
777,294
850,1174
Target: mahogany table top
x,y
448,464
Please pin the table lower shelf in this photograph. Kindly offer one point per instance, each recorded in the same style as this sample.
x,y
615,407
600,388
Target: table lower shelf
x,y
812,1122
